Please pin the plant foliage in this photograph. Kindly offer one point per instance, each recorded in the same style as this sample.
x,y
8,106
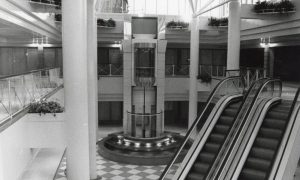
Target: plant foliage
x,y
106,23
281,7
217,21
205,78
43,107
177,24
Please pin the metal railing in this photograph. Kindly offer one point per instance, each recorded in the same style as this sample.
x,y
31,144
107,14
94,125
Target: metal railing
x,y
228,86
249,75
184,70
143,125
110,70
16,92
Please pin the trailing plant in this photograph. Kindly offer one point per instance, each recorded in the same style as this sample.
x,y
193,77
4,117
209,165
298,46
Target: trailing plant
x,y
177,24
106,23
217,21
205,78
43,107
279,7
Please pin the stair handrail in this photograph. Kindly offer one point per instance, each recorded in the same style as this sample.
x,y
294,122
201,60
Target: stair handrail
x,y
195,123
228,148
293,106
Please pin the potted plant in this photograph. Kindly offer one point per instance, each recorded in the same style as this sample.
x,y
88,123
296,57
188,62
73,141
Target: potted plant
x,y
110,23
177,25
204,77
44,107
45,124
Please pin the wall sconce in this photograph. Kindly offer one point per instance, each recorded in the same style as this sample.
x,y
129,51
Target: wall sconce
x,y
266,42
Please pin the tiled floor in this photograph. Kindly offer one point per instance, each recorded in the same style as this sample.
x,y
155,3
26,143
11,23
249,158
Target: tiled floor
x,y
110,170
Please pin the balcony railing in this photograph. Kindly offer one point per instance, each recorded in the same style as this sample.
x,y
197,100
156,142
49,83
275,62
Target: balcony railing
x,y
249,75
18,91
183,70
110,70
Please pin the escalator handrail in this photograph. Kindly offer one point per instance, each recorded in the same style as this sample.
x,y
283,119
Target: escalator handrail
x,y
194,125
259,90
294,120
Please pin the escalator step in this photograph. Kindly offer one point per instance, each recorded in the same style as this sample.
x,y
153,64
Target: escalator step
x,y
206,157
270,133
252,174
212,147
217,138
266,143
266,154
277,115
258,164
226,120
235,105
194,176
222,129
273,123
230,112
200,167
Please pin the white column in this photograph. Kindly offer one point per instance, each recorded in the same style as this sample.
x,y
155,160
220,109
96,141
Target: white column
x,y
234,27
194,64
74,26
92,84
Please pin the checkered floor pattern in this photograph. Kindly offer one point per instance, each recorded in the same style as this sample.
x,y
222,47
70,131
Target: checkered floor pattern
x,y
110,170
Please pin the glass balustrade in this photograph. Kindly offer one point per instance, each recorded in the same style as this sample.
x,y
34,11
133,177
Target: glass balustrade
x,y
18,91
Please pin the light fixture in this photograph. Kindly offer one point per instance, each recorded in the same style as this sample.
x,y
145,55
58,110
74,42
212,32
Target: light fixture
x,y
266,42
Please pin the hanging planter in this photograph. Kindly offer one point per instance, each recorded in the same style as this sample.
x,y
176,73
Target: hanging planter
x,y
204,77
264,7
177,25
218,22
110,23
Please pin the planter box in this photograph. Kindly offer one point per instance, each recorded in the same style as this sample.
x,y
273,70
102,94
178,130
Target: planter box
x,y
45,131
177,28
273,11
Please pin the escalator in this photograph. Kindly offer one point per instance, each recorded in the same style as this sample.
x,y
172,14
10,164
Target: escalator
x,y
263,152
214,142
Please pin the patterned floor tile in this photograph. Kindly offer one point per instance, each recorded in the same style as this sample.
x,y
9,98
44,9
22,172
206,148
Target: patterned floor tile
x,y
110,170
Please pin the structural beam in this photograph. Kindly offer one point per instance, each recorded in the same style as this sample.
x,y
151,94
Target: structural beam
x,y
194,64
92,84
234,33
75,59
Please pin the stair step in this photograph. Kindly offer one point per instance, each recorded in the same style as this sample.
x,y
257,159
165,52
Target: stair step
x,y
200,167
212,147
266,143
262,153
226,120
258,164
217,138
222,129
206,157
270,133
273,123
277,115
250,174
194,176
230,112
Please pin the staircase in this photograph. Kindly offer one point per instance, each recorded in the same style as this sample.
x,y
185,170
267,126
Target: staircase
x,y
263,152
213,144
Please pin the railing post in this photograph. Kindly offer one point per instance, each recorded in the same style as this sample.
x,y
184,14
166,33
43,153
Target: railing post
x,y
211,70
256,74
173,70
9,98
265,73
248,78
109,69
217,71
